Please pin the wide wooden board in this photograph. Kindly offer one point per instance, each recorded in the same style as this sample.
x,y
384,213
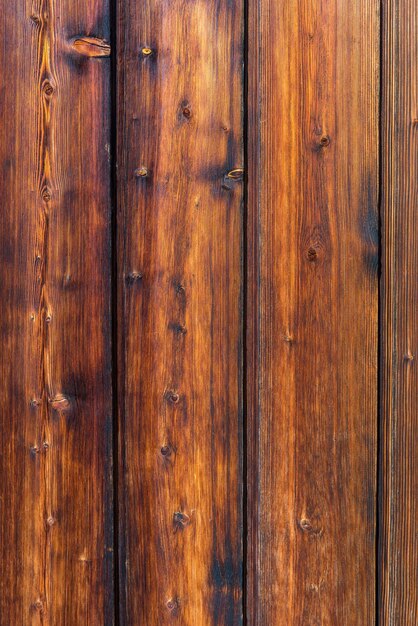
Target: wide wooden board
x,y
56,512
312,309
180,191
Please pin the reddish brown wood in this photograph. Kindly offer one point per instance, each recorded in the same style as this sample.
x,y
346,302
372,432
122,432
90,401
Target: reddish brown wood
x,y
312,308
399,460
55,363
180,189
308,242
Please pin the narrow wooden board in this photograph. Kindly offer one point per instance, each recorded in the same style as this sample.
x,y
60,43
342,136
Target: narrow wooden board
x,y
313,252
55,362
180,327
399,327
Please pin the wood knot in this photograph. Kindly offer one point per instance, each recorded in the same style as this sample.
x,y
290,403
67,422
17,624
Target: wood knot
x,y
166,451
60,402
307,527
180,521
173,605
46,194
172,396
316,587
187,113
38,605
177,329
311,254
146,52
47,89
92,47
35,19
141,172
133,277
67,281
83,558
321,141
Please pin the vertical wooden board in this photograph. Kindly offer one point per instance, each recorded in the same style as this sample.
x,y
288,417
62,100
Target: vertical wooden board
x,y
399,296
180,228
55,363
313,252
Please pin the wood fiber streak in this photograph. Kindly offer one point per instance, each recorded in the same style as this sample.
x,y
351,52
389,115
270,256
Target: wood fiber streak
x,y
312,308
399,330
55,368
180,326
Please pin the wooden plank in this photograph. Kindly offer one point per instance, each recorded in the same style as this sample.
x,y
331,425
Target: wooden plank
x,y
55,363
399,331
313,250
180,281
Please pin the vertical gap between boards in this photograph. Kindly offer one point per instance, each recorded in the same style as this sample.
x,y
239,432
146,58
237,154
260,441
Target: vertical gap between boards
x,y
114,307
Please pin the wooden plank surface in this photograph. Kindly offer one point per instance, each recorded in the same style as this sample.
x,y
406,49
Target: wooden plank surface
x,y
55,363
313,249
180,355
399,329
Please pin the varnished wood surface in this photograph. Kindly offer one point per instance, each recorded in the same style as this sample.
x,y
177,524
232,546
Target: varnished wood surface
x,y
313,252
55,362
289,536
180,194
399,328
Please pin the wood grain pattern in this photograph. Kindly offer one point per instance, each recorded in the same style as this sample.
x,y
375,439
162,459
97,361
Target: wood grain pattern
x,y
313,252
304,253
55,363
180,328
399,330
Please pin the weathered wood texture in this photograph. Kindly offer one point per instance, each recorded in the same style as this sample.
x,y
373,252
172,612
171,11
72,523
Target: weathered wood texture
x,y
399,328
180,283
312,258
55,363
313,235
